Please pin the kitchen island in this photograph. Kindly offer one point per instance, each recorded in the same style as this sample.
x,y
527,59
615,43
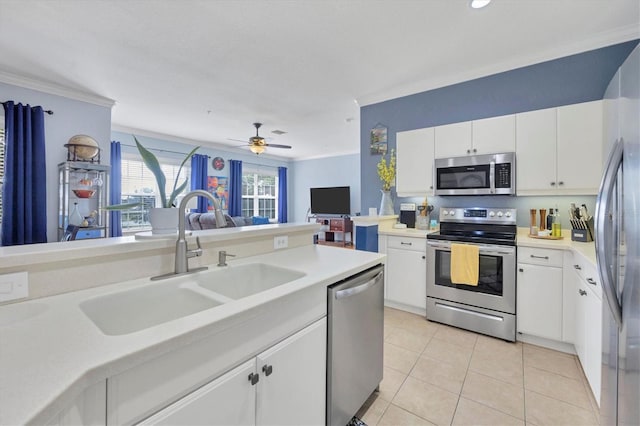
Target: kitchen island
x,y
52,353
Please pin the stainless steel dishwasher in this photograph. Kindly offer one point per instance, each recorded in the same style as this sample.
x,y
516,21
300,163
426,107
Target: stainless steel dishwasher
x,y
355,334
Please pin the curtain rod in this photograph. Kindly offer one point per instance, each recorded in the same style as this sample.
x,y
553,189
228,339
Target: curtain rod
x,y
46,111
159,150
257,164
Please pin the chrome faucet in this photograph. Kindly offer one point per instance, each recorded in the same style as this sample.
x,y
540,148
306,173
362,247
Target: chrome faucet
x,y
183,253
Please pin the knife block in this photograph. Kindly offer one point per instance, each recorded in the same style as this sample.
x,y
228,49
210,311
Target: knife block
x,y
585,234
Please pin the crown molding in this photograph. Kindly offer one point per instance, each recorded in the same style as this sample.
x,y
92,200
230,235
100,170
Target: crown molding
x,y
55,89
600,40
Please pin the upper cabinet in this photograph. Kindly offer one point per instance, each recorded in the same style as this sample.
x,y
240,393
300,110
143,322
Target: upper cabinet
x,y
486,136
414,156
559,150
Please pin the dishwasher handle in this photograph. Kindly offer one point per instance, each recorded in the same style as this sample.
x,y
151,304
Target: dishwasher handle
x,y
341,294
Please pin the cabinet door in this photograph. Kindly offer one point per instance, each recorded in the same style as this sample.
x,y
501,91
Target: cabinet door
x,y
228,400
90,408
580,142
407,277
414,151
580,315
539,301
453,140
592,324
292,383
536,151
496,134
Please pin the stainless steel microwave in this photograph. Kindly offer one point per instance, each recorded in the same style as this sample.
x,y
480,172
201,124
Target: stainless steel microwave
x,y
488,174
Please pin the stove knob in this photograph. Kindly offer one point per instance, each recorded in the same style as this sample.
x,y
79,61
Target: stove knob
x,y
492,214
444,213
507,214
499,214
452,213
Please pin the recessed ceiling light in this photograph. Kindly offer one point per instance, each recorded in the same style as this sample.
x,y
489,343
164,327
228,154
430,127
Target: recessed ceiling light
x,y
478,4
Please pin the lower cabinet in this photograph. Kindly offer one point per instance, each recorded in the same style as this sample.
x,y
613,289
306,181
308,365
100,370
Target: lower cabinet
x,y
89,408
539,293
284,385
406,273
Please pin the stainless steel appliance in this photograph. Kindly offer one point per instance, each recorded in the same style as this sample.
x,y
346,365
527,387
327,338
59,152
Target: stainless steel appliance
x,y
617,225
489,307
408,214
355,329
488,174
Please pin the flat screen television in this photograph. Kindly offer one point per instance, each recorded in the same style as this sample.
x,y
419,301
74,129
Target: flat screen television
x,y
335,200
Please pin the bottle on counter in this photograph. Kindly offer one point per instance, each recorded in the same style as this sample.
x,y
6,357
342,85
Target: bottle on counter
x,y
556,228
550,220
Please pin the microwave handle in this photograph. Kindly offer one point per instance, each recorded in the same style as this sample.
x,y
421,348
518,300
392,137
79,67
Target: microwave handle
x,y
492,177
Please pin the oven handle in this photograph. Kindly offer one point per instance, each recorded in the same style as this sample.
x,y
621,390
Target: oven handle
x,y
484,249
492,177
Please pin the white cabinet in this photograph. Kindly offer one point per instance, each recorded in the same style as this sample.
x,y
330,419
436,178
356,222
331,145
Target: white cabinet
x,y
495,134
90,408
280,386
539,293
536,150
580,141
453,140
559,150
406,273
414,154
486,136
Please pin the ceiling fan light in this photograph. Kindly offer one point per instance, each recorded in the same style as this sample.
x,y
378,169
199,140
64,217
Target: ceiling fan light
x,y
478,4
257,149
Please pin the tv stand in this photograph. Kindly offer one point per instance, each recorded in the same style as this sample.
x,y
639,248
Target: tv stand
x,y
336,225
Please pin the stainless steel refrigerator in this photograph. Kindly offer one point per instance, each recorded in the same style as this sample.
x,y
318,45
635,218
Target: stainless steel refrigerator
x,y
618,248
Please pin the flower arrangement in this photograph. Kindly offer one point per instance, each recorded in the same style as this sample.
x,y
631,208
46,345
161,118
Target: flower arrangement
x,y
387,173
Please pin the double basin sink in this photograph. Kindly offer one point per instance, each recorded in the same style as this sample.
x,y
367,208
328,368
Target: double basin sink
x,y
133,310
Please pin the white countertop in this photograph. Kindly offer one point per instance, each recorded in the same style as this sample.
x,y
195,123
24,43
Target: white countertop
x,y
51,351
586,250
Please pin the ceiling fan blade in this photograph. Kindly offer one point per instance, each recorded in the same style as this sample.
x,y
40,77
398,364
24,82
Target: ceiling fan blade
x,y
237,140
275,145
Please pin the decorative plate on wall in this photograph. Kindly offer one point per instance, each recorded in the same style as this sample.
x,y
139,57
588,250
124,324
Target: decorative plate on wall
x,y
217,163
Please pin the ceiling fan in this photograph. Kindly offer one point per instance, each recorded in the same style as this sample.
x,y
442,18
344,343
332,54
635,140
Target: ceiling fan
x,y
258,145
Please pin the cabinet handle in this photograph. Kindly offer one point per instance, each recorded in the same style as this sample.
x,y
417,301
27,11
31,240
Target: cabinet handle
x,y
592,281
431,187
475,150
561,183
468,151
254,378
577,267
553,184
267,369
582,292
540,257
520,269
405,244
424,257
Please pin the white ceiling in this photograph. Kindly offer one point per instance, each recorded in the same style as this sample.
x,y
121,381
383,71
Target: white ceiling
x,y
205,70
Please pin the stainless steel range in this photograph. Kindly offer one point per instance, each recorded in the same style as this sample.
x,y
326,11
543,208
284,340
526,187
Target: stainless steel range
x,y
489,307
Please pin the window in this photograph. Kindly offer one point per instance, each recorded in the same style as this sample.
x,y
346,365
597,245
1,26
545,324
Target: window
x,y
260,194
139,186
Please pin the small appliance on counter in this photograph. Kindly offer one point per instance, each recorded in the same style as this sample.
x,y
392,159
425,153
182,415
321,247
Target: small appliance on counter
x,y
408,214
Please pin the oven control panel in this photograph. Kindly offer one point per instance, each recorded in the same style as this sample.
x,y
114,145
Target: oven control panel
x,y
478,214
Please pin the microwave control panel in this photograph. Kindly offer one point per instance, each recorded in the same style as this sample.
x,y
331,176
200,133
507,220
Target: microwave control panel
x,y
503,175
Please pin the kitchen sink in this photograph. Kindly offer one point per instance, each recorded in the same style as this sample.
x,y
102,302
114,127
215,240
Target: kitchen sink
x,y
137,309
238,281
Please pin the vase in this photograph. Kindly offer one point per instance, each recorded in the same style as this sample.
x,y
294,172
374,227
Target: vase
x,y
163,220
386,204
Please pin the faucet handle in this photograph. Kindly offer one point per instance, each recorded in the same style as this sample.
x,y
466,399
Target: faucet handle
x,y
195,252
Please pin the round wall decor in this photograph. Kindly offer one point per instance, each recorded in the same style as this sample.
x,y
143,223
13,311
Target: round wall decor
x,y
217,163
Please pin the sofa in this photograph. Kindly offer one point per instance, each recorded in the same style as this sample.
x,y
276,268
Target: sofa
x,y
199,221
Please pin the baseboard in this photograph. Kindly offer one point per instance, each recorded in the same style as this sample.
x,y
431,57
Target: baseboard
x,y
546,343
406,308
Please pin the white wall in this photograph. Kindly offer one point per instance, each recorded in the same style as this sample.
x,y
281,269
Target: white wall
x,y
70,117
342,170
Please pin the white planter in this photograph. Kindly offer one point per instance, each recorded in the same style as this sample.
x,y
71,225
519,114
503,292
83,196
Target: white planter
x,y
163,221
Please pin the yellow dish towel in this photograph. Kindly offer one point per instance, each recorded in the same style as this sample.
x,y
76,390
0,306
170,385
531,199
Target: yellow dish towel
x,y
465,264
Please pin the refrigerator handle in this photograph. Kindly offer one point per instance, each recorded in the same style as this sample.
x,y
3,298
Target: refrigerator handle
x,y
604,232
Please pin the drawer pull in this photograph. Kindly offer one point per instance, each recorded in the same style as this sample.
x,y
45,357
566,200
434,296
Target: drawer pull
x,y
521,270
540,257
405,244
267,369
582,292
254,378
592,281
577,267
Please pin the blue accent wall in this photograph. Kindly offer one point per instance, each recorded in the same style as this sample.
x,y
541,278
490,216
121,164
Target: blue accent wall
x,y
573,79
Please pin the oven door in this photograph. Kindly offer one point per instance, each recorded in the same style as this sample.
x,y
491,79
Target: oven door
x,y
476,179
496,289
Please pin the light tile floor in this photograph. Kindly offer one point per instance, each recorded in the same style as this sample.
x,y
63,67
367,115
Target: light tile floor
x,y
436,374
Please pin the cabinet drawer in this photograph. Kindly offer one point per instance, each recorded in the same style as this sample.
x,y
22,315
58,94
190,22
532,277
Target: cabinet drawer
x,y
407,243
336,225
536,256
587,273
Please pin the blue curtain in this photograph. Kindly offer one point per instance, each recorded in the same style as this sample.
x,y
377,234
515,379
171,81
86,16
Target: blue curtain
x,y
115,190
235,188
282,195
24,192
199,179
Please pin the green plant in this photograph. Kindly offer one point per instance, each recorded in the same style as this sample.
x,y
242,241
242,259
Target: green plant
x,y
153,164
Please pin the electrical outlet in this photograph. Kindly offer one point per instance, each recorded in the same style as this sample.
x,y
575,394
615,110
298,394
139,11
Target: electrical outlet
x,y
280,242
14,286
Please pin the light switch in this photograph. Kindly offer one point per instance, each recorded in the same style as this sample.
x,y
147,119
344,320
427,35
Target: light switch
x,y
14,286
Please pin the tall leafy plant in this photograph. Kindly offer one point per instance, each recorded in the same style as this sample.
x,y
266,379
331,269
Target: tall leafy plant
x,y
153,164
